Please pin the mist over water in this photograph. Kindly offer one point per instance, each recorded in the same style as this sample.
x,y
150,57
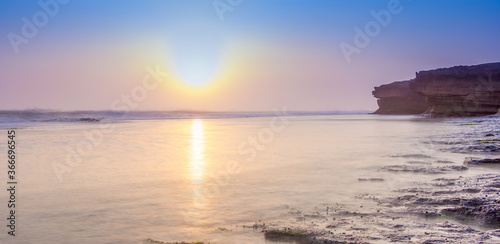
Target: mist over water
x,y
27,117
194,179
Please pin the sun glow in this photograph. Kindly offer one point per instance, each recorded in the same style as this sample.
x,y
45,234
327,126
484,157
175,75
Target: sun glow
x,y
198,78
196,57
197,72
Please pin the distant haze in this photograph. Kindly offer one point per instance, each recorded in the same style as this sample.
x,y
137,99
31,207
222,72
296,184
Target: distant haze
x,y
260,55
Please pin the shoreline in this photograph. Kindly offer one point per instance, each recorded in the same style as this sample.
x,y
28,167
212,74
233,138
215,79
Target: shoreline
x,y
446,207
450,208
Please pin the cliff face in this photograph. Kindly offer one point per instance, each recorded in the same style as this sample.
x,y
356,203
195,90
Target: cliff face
x,y
449,92
461,90
398,98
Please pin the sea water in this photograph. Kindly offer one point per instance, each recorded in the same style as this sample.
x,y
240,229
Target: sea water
x,y
202,178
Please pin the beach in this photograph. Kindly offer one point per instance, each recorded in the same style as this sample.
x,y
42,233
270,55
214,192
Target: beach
x,y
231,180
249,122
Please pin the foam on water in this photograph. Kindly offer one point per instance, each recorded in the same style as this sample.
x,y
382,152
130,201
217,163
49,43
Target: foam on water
x,y
41,116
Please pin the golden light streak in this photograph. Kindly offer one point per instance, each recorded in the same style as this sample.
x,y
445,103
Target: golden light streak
x,y
197,152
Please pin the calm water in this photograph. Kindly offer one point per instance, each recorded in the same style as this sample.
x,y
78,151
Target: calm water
x,y
188,179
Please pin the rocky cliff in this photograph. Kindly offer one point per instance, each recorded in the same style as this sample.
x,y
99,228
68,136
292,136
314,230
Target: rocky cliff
x,y
398,98
448,92
461,90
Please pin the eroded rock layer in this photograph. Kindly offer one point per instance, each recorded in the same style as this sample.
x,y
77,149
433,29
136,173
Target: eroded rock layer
x,y
398,98
461,90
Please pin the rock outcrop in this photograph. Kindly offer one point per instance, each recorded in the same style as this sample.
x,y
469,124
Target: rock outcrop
x,y
461,90
398,98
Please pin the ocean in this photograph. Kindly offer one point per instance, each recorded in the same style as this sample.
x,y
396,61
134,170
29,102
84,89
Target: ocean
x,y
104,177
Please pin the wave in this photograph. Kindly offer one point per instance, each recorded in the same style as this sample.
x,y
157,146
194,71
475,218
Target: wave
x,y
26,116
22,116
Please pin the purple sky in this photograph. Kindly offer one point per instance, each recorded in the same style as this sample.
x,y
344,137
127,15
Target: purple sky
x,y
258,55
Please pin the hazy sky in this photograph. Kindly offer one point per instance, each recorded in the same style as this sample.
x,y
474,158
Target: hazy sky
x,y
231,54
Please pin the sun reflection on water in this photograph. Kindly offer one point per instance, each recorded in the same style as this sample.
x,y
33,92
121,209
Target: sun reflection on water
x,y
197,151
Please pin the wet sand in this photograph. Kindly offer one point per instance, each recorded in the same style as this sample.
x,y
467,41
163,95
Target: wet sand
x,y
446,210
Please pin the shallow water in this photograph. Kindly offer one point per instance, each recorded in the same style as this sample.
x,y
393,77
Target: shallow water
x,y
202,179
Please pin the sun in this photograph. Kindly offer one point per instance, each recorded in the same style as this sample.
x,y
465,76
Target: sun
x,y
196,70
197,58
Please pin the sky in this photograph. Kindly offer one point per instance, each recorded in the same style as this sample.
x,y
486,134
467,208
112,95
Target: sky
x,y
231,55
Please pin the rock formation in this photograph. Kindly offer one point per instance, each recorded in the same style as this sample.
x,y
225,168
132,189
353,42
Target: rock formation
x,y
458,91
398,98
